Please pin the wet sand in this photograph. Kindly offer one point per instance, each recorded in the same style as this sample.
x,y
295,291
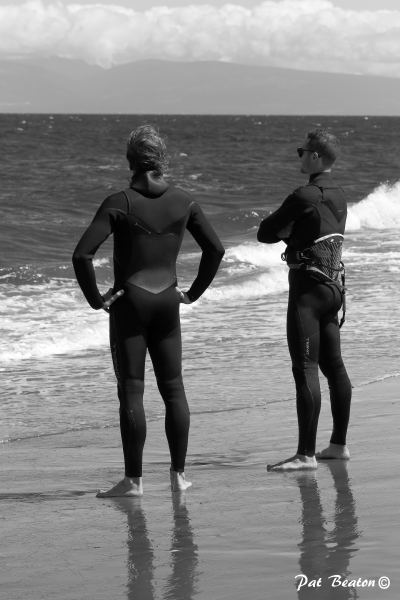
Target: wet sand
x,y
239,533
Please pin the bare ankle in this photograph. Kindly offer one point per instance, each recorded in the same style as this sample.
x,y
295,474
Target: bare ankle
x,y
178,481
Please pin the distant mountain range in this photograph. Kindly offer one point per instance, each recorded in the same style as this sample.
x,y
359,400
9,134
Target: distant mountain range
x,y
155,86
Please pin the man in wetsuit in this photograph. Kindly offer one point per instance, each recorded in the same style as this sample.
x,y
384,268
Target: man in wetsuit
x,y
311,221
148,222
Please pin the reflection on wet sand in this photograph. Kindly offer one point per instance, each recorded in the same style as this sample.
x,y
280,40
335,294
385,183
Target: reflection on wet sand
x,y
140,562
326,551
142,558
182,581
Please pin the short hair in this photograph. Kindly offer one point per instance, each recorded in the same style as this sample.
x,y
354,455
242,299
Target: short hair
x,y
146,150
325,143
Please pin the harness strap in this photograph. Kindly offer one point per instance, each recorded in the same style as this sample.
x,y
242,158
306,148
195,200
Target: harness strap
x,y
343,277
310,263
316,263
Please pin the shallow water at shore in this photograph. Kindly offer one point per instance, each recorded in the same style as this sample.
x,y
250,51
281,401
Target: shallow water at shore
x,y
239,532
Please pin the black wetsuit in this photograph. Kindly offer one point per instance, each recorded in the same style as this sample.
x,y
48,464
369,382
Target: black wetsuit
x,y
148,227
313,211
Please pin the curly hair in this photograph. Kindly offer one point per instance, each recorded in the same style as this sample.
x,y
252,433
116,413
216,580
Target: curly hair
x,y
325,143
146,150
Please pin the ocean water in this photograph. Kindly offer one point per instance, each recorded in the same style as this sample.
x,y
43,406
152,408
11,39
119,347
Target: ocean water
x,y
56,169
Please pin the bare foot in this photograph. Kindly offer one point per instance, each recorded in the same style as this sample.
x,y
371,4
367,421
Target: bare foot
x,y
129,487
178,481
298,462
334,451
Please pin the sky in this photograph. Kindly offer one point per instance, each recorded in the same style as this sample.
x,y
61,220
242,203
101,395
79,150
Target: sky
x,y
340,36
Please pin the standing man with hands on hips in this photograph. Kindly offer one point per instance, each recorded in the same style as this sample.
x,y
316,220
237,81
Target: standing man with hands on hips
x,y
148,221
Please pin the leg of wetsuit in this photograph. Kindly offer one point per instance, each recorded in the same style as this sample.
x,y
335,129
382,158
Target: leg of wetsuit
x,y
332,366
303,341
165,349
313,338
128,348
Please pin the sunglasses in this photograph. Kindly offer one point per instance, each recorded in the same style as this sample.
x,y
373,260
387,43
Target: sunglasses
x,y
300,151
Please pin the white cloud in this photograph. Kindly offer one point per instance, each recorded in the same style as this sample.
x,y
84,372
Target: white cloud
x,y
311,34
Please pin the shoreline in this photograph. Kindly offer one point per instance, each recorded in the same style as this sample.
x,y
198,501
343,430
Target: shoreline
x,y
357,391
239,532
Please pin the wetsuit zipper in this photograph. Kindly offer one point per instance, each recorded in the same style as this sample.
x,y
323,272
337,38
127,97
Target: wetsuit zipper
x,y
143,228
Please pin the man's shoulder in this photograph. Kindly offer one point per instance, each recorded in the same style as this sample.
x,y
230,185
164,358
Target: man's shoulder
x,y
184,199
310,192
115,201
116,196
180,193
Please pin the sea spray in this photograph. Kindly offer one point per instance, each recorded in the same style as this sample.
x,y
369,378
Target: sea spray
x,y
379,210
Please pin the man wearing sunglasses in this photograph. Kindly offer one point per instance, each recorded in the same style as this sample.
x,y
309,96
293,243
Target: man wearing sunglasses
x,y
311,221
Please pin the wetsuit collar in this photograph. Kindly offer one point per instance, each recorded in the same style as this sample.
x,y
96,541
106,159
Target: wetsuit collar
x,y
320,178
149,184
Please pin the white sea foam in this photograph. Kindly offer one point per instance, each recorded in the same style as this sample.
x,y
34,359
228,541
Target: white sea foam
x,y
250,270
273,282
101,262
255,254
52,318
48,319
371,256
379,210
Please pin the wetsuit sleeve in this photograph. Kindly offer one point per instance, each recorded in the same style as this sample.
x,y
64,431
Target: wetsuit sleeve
x,y
212,251
292,210
97,232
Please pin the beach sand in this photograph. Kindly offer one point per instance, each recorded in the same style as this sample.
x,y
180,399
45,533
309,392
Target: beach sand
x,y
239,533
